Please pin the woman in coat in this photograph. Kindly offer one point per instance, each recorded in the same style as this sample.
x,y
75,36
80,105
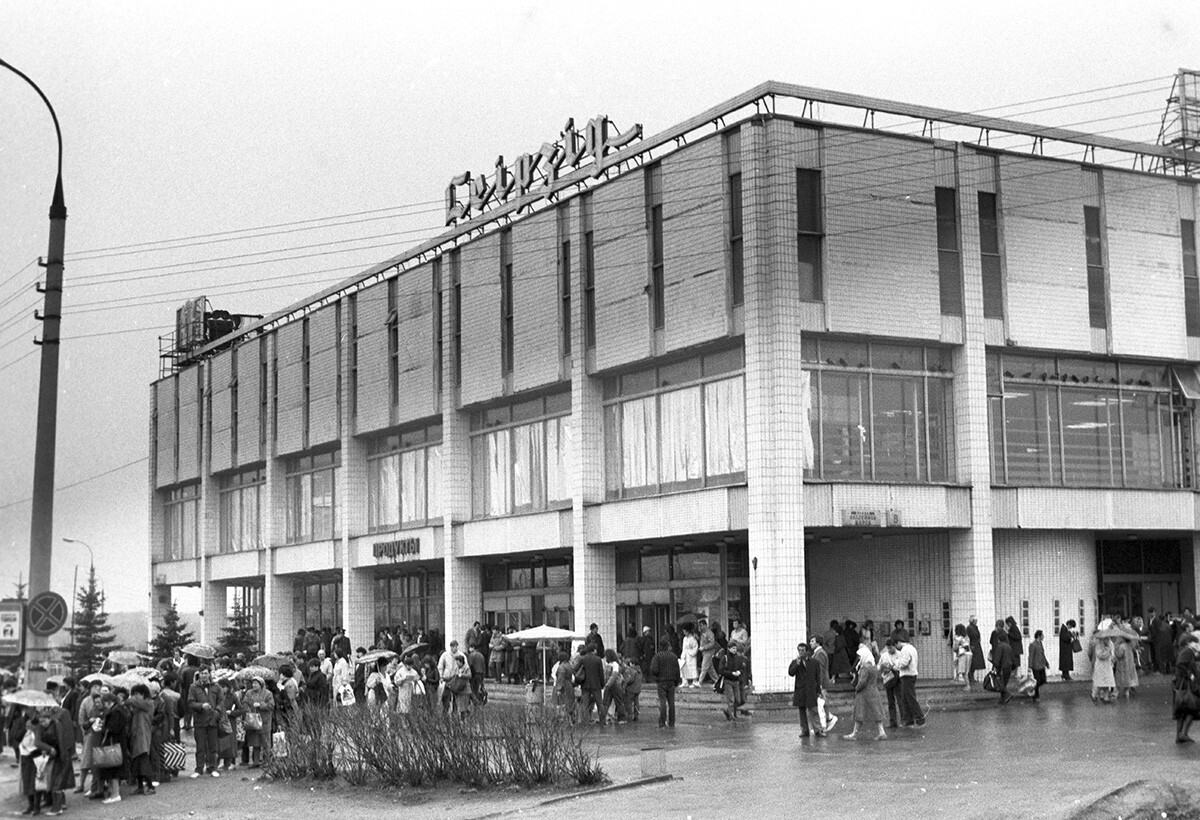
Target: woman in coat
x,y
1125,666
1187,679
1014,640
112,729
1066,650
691,649
406,679
978,659
141,712
33,749
257,707
1101,652
868,703
961,649
564,686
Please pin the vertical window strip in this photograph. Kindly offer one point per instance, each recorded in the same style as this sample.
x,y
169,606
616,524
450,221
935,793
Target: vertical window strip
x,y
589,285
233,406
393,337
1094,238
1191,279
565,295
654,218
989,256
949,259
456,280
439,341
737,271
352,308
810,234
506,303
305,377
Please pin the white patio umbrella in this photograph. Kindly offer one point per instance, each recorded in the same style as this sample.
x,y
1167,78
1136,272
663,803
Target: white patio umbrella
x,y
541,634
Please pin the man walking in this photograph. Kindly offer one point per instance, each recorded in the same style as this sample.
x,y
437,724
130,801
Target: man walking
x,y
664,671
805,691
1002,666
821,657
708,648
590,678
906,664
735,670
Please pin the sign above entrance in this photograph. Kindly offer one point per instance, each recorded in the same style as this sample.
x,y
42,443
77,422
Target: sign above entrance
x,y
12,629
859,517
399,548
533,172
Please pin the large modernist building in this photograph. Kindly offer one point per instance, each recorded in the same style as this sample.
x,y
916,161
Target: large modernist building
x,y
764,365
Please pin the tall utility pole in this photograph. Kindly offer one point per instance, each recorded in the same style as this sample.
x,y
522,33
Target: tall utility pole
x,y
42,525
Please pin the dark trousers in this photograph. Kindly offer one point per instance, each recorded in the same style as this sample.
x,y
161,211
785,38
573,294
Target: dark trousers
x,y
1002,678
206,748
1039,677
893,698
910,710
810,720
666,703
587,699
613,694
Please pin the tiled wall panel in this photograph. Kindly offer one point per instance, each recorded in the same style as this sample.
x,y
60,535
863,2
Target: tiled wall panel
x,y
323,426
1040,566
481,320
694,266
1041,204
881,275
846,580
622,271
414,311
189,424
290,341
164,397
220,376
537,352
373,404
1145,260
249,426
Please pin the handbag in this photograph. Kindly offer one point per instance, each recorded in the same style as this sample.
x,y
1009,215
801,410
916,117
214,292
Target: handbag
x,y
279,744
990,682
1076,646
107,757
224,727
719,686
253,721
891,683
43,768
1186,700
173,757
458,685
239,731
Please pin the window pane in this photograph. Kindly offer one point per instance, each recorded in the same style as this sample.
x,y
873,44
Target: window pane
x,y
1031,425
691,566
387,499
412,486
809,261
1146,451
322,499
639,443
537,464
434,481
845,449
724,427
682,440
899,410
808,200
499,482
188,529
993,287
235,521
1090,421
522,469
656,568
996,432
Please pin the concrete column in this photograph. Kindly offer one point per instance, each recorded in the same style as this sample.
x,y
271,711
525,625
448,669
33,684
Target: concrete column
x,y
595,566
775,415
156,510
358,586
278,620
463,579
358,606
972,570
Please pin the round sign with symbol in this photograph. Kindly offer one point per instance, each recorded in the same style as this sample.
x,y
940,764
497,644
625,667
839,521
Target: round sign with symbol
x,y
47,614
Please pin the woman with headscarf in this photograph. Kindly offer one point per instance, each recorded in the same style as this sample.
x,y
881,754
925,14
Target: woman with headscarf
x,y
1100,648
868,703
406,678
1187,682
141,711
691,650
1125,672
36,752
258,704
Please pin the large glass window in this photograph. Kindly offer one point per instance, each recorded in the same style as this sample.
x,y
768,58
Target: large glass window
x,y
409,601
310,488
241,511
404,479
1090,423
880,412
181,533
686,429
1191,278
318,605
520,456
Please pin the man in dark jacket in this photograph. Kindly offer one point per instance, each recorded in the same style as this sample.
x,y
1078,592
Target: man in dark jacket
x,y
1003,662
204,700
664,671
806,690
478,666
187,676
590,678
735,671
316,689
647,647
594,640
341,644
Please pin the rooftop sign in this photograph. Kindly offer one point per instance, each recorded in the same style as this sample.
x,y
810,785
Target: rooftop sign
x,y
533,172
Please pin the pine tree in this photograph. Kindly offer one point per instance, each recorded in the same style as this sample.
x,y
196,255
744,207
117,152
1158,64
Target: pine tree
x,y
239,635
91,636
172,634
21,586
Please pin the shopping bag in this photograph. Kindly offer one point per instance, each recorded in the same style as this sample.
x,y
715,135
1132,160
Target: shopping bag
x,y
107,757
253,721
43,769
1026,684
991,682
824,715
279,744
174,757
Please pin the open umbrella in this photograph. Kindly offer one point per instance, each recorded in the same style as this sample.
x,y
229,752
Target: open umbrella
x,y
272,661
377,655
411,648
252,672
126,681
543,634
146,672
222,674
200,650
125,657
1111,632
31,697
97,676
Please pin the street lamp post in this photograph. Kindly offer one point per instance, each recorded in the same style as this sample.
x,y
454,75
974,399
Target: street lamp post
x,y
75,584
42,519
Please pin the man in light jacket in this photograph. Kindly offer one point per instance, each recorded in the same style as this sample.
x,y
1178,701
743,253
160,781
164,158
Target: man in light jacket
x,y
905,664
708,648
448,668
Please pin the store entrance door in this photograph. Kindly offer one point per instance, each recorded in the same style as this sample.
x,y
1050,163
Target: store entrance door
x,y
655,616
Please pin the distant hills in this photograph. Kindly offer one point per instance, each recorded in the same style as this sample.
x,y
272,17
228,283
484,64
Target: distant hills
x,y
130,629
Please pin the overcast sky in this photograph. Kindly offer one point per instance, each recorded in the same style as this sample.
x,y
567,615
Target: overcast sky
x,y
189,120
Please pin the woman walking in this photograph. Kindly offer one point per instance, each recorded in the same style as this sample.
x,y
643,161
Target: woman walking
x,y
868,703
962,655
564,686
691,649
1100,649
36,754
1187,698
1067,647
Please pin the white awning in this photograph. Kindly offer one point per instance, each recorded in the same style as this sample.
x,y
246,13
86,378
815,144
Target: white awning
x,y
1188,380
